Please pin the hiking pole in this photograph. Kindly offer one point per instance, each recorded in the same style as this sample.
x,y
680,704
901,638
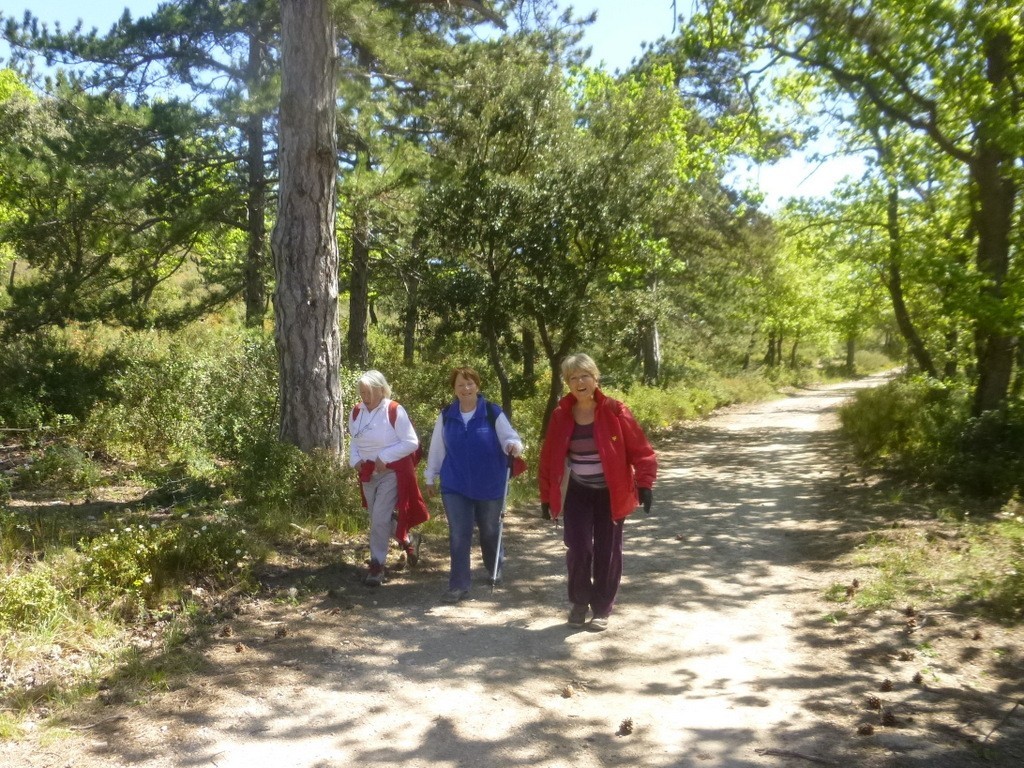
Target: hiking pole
x,y
501,524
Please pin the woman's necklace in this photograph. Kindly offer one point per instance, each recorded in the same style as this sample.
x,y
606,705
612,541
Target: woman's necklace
x,y
361,428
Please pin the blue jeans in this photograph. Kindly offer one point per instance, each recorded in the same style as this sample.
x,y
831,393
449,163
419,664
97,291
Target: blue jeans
x,y
463,512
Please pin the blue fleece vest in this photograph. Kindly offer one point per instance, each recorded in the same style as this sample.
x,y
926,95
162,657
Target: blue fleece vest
x,y
474,464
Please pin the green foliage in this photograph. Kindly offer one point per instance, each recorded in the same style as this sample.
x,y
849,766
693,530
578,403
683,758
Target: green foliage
x,y
977,566
924,429
657,409
48,377
31,597
193,399
62,466
136,559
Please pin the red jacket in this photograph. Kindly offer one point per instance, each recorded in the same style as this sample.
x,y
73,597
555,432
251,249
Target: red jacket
x,y
627,457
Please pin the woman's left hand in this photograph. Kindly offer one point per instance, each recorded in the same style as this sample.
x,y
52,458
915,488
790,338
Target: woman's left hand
x,y
646,499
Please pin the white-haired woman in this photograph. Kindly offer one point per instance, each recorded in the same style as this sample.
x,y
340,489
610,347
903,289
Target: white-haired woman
x,y
384,448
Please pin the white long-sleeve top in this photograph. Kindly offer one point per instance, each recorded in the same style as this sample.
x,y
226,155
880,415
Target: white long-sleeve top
x,y
507,437
372,437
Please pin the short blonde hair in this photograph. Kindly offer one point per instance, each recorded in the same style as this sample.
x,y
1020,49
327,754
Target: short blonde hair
x,y
376,382
582,363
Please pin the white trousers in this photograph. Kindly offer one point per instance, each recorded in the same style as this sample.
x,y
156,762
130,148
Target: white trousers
x,y
381,498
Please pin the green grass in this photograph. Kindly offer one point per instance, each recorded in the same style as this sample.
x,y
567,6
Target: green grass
x,y
950,559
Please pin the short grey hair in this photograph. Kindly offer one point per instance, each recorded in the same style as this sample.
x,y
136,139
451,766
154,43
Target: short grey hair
x,y
376,382
582,363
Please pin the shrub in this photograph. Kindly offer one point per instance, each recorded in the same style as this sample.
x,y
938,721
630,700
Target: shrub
x,y
43,376
30,597
62,466
923,428
137,559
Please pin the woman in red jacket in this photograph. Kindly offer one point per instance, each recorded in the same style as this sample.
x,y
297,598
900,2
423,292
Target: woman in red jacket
x,y
596,467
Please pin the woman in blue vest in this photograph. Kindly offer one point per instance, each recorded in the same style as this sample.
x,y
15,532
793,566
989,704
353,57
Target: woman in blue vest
x,y
469,452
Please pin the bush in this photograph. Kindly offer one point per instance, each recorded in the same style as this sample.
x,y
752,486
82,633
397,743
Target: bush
x,y
139,559
923,429
62,466
44,377
30,597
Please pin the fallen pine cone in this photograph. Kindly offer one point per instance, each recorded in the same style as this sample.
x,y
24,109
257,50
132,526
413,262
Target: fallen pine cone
x,y
918,678
239,647
886,685
568,692
888,718
626,727
227,631
873,702
865,729
281,632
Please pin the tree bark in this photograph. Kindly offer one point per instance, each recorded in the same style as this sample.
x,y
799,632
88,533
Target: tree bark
x,y
529,356
359,290
303,242
894,283
412,288
995,179
256,204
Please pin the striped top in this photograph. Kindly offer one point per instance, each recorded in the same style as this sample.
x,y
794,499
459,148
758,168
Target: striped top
x,y
584,460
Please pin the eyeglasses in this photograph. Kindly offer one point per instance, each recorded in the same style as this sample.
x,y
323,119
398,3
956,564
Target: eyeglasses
x,y
579,378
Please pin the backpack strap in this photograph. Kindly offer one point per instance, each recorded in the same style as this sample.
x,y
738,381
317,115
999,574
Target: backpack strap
x,y
493,412
393,412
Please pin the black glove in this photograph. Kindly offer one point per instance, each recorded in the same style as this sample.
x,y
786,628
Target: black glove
x,y
545,510
646,498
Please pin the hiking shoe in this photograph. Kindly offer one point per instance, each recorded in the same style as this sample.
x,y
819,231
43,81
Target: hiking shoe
x,y
375,576
599,623
453,596
412,548
577,616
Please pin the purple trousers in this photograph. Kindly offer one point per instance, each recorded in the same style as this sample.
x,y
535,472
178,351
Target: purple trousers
x,y
594,559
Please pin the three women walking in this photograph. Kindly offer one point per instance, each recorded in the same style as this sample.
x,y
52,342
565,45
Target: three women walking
x,y
596,466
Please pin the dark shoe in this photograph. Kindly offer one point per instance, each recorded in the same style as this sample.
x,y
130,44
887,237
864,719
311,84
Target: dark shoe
x,y
577,616
599,623
412,548
375,576
453,596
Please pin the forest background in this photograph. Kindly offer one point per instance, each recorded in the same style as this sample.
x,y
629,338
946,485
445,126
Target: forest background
x,y
215,216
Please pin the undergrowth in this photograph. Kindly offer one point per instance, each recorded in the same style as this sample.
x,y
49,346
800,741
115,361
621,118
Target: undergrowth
x,y
951,560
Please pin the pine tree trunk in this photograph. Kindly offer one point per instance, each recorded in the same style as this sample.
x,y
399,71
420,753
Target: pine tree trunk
x,y
303,243
256,205
358,352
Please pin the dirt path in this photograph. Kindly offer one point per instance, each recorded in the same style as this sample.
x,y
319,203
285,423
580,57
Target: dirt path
x,y
718,654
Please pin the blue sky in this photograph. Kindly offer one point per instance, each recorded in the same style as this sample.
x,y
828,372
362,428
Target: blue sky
x,y
622,25
616,39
